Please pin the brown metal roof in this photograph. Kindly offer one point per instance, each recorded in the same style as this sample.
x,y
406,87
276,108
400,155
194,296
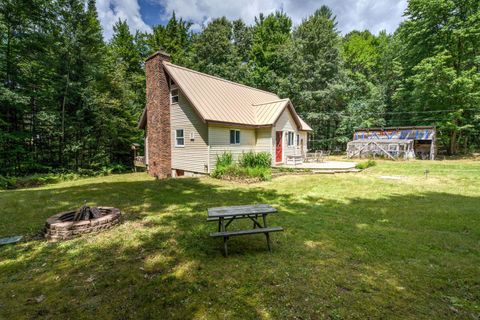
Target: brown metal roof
x,y
305,126
222,101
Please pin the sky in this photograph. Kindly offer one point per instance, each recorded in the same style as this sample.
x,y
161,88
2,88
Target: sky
x,y
374,15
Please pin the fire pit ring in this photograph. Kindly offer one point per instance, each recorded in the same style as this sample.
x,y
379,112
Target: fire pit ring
x,y
62,226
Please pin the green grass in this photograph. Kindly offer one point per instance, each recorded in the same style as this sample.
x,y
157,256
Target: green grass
x,y
354,246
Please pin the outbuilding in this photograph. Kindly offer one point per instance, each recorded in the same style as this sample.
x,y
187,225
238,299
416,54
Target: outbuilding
x,y
394,143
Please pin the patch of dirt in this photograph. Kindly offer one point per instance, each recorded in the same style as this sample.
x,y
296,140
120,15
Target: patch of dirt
x,y
392,177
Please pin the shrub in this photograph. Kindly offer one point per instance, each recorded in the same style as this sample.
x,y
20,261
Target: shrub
x,y
366,164
113,168
250,165
39,179
236,171
7,182
225,159
252,160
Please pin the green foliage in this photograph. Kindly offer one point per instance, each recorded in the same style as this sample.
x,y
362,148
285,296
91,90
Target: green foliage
x,y
360,52
260,173
250,165
174,38
36,180
366,164
73,103
225,159
252,159
39,179
438,80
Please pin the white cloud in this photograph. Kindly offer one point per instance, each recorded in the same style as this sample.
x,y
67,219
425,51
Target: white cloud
x,y
109,11
374,15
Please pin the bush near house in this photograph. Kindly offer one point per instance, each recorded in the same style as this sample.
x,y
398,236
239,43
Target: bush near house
x,y
366,164
250,165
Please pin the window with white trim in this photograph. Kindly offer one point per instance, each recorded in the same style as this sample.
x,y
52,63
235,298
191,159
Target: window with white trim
x,y
174,95
290,138
179,138
298,140
234,136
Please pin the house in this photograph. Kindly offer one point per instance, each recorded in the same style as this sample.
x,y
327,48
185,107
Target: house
x,y
191,117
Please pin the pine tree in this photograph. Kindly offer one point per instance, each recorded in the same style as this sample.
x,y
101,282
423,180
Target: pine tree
x,y
269,56
314,86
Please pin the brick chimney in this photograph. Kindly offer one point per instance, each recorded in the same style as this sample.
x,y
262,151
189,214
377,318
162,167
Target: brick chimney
x,y
158,116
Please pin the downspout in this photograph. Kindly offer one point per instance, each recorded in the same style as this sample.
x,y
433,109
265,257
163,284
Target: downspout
x,y
272,131
208,159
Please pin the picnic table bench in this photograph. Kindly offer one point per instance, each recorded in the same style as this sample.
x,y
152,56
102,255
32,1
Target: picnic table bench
x,y
226,215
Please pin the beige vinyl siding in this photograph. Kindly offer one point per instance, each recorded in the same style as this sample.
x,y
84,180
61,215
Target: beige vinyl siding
x,y
194,155
219,138
285,123
264,140
303,135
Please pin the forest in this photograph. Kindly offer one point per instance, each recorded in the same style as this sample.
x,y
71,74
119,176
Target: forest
x,y
70,100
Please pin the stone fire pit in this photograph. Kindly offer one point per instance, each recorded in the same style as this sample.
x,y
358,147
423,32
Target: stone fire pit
x,y
71,224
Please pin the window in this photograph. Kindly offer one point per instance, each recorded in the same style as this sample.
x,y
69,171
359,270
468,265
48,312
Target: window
x,y
234,136
290,138
298,140
179,138
174,95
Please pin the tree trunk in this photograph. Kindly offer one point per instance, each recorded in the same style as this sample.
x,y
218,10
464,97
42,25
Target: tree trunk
x,y
453,143
33,102
64,100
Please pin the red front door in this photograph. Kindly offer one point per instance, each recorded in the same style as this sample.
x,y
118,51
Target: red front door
x,y
278,149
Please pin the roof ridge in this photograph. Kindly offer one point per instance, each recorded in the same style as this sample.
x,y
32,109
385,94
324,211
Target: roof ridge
x,y
271,101
218,78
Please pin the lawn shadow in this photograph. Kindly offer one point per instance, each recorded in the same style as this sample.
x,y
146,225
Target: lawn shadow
x,y
161,262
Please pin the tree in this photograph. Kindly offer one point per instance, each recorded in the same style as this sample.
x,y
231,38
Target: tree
x,y
360,53
268,56
315,73
439,67
215,50
124,47
174,38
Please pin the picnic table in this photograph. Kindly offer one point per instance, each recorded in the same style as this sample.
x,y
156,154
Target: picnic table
x,y
226,215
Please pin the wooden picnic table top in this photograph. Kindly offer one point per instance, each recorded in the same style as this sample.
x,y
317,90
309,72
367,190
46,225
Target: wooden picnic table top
x,y
233,211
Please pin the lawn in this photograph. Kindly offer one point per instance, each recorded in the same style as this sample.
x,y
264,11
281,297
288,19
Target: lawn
x,y
355,246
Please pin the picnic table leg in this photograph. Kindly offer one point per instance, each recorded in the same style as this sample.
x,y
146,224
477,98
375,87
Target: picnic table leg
x,y
254,224
225,249
222,226
267,235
